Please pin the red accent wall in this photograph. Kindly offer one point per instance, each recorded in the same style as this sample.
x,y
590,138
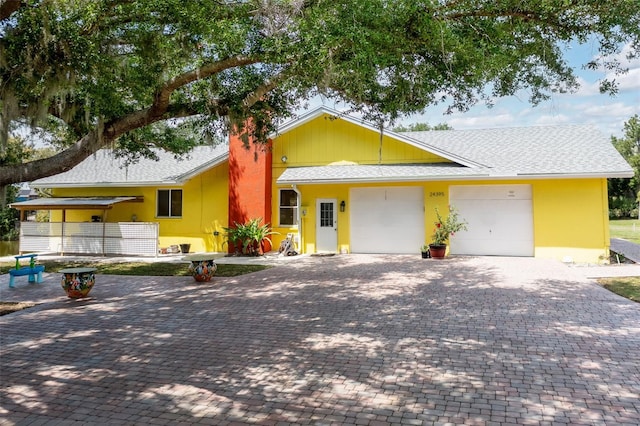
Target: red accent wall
x,y
249,182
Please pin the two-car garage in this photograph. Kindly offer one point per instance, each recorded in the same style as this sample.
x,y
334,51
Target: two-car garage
x,y
392,219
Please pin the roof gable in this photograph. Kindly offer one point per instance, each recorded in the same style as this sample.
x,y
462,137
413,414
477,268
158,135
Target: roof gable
x,y
325,112
327,140
533,152
104,169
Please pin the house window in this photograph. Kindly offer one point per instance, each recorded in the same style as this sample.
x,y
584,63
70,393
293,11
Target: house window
x,y
288,207
169,203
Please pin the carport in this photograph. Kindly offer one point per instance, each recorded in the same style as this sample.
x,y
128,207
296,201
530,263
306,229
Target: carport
x,y
95,237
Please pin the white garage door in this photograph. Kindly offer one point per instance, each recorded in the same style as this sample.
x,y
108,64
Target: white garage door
x,y
499,217
387,220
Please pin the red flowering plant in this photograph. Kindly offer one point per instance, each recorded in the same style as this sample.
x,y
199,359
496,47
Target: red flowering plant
x,y
447,227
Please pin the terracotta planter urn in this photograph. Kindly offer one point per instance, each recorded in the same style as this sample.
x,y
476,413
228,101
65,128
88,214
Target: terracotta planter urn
x,y
438,251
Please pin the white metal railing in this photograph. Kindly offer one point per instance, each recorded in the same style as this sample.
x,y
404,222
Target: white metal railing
x,y
120,238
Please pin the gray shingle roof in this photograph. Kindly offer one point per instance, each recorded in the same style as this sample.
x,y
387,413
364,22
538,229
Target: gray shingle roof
x,y
554,151
376,173
103,169
576,150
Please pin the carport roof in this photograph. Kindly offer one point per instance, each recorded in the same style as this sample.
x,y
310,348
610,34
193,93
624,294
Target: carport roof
x,y
97,203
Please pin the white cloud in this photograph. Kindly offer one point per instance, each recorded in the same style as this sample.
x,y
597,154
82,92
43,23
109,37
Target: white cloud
x,y
586,88
627,82
488,120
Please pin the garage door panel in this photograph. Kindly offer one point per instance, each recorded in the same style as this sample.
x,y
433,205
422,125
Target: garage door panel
x,y
500,220
386,220
499,247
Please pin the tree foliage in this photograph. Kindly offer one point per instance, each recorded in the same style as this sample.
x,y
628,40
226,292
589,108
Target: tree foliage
x,y
624,194
421,127
132,74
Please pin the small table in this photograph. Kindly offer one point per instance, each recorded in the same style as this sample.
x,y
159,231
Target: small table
x,y
78,282
203,266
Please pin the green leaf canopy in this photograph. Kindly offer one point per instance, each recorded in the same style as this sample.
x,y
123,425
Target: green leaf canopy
x,y
138,73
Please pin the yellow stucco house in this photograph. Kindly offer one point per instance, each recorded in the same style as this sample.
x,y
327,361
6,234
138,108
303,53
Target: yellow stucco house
x,y
341,186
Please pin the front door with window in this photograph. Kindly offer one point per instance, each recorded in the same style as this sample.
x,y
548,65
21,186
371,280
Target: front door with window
x,y
326,226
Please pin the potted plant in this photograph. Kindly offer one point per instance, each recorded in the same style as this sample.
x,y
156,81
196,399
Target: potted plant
x,y
444,228
426,253
250,238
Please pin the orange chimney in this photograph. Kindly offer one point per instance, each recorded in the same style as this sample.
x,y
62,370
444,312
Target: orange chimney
x,y
249,182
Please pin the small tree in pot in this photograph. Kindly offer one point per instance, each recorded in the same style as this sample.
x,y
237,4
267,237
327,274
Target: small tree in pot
x,y
444,228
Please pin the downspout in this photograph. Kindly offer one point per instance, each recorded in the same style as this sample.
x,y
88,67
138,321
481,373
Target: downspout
x,y
298,216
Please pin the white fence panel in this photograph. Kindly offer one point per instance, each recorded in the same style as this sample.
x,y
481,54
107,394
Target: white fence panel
x,y
125,238
139,238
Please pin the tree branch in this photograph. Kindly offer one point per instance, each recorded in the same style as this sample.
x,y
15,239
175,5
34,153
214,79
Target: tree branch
x,y
8,7
262,90
161,109
162,96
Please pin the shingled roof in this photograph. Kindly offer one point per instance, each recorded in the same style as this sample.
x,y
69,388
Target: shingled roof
x,y
502,153
104,169
539,150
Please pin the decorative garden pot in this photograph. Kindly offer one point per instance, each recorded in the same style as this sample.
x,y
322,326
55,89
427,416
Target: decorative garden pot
x,y
78,282
202,266
438,251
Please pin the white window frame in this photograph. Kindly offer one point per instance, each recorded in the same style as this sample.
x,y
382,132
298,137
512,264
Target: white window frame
x,y
294,209
170,191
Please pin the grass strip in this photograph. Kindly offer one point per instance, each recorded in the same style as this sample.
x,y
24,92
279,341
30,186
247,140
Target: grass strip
x,y
152,269
628,287
626,229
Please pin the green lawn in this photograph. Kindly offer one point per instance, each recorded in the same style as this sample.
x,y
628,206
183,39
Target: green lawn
x,y
628,229
628,287
141,268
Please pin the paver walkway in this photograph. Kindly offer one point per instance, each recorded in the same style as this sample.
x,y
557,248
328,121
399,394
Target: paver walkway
x,y
340,340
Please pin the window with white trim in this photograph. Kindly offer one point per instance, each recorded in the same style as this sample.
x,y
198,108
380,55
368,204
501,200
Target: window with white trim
x,y
169,203
288,207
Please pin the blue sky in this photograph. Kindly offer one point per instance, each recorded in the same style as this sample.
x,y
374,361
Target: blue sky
x,y
586,106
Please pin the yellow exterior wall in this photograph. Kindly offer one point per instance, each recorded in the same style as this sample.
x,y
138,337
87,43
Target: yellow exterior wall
x,y
570,215
324,141
571,220
205,209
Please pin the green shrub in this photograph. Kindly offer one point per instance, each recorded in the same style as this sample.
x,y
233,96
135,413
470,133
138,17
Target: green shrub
x,y
8,218
622,207
249,238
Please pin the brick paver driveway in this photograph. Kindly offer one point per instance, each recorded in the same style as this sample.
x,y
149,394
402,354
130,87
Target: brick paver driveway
x,y
344,340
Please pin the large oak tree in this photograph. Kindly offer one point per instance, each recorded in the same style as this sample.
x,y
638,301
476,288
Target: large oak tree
x,y
131,74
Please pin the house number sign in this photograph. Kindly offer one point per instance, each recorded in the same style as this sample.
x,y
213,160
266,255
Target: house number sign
x,y
436,194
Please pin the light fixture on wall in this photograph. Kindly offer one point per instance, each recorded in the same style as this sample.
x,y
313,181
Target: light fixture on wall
x,y
284,158
343,205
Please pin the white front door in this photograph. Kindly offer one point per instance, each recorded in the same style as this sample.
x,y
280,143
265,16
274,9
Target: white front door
x,y
326,226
